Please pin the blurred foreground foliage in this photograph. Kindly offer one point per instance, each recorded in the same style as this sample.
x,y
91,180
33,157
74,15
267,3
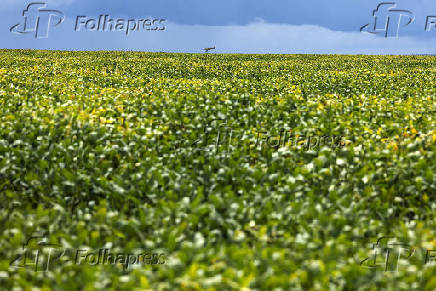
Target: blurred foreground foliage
x,y
101,148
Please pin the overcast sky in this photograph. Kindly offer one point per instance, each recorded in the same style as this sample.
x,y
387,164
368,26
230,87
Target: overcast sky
x,y
232,26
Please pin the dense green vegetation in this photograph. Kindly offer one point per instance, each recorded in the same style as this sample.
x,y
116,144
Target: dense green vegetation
x,y
117,150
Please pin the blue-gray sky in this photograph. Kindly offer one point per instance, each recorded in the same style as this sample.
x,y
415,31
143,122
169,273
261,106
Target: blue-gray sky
x,y
233,26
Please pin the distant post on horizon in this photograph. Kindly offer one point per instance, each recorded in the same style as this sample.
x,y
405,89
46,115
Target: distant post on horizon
x,y
208,49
